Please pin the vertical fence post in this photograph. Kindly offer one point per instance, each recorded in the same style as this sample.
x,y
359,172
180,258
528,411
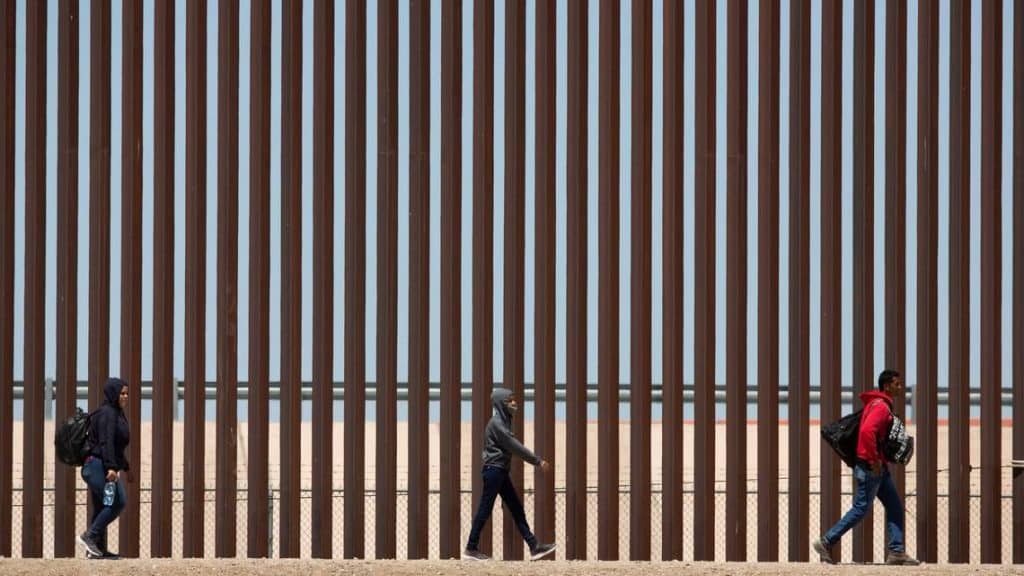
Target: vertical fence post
x,y
672,388
704,279
576,286
1018,285
925,410
8,53
768,283
960,534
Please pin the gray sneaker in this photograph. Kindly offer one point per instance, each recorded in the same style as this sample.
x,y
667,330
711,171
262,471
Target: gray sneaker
x,y
901,559
91,549
475,555
824,551
541,550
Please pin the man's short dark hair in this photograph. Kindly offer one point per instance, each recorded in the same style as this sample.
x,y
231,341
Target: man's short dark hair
x,y
886,377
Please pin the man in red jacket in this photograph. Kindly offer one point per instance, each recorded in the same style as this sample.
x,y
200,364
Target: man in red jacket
x,y
872,475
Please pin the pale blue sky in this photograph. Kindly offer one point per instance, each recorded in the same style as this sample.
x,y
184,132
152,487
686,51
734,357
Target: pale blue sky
x,y
593,144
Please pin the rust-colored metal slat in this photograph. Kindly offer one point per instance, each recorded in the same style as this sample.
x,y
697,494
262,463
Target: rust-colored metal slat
x,y
831,250
514,290
355,276
960,534
227,280
387,278
896,204
35,278
576,287
608,284
1018,285
768,284
640,314
8,52
863,231
483,237
925,410
291,268
672,388
419,276
67,264
258,522
736,286
99,200
704,280
544,314
991,281
163,277
131,261
323,278
193,537
451,278
799,270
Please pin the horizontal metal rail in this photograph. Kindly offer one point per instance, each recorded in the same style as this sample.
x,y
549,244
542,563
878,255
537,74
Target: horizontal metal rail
x,y
847,394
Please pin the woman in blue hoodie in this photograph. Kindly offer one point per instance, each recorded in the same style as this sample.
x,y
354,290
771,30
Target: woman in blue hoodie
x,y
108,437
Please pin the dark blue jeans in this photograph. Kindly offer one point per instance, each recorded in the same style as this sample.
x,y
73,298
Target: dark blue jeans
x,y
96,477
869,486
497,481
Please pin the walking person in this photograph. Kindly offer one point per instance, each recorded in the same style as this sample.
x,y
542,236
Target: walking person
x,y
499,446
872,475
105,467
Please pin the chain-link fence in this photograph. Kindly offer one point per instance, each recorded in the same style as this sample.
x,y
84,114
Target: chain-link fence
x,y
467,510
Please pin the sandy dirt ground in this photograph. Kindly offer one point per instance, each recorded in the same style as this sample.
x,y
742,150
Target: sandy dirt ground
x,y
434,567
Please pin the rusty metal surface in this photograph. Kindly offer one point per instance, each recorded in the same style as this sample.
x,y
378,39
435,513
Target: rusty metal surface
x,y
450,518
960,534
163,277
131,259
736,285
514,237
640,277
576,285
227,280
545,271
387,279
8,52
291,268
608,283
99,199
704,281
863,232
831,251
925,410
323,278
991,281
896,204
67,262
798,363
193,542
768,284
1018,286
672,400
419,275
483,237
258,521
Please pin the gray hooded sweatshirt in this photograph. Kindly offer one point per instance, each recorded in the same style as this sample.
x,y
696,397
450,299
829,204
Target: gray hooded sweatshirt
x,y
499,440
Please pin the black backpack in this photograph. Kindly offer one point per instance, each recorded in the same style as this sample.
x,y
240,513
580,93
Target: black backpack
x,y
72,439
842,434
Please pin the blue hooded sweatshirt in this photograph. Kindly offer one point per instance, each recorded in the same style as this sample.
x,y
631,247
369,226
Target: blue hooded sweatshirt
x,y
108,429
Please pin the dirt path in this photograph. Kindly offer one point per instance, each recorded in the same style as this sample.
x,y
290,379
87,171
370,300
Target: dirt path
x,y
439,568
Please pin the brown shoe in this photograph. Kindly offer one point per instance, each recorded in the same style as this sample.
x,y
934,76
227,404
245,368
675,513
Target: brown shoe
x,y
901,559
824,551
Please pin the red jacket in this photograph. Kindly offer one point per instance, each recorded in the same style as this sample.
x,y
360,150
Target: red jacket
x,y
874,425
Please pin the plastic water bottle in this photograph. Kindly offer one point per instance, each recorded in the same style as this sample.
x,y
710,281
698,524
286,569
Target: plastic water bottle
x,y
108,493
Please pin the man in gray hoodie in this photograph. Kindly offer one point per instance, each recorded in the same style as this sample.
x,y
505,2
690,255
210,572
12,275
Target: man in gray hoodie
x,y
499,445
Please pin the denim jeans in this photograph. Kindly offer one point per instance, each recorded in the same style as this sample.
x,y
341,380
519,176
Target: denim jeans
x,y
497,481
869,486
96,477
